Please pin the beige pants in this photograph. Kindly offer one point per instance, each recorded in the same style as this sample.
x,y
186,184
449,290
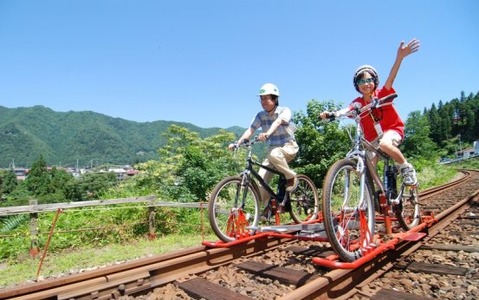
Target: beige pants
x,y
390,137
278,158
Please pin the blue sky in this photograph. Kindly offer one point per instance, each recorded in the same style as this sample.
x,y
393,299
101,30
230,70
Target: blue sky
x,y
202,62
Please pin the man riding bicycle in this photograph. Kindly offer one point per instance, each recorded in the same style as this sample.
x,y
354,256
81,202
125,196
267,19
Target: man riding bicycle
x,y
278,132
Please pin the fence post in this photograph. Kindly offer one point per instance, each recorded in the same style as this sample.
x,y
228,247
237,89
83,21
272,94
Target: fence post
x,y
34,249
151,223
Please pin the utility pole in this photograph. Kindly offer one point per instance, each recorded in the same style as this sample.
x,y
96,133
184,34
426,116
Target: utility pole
x,y
460,144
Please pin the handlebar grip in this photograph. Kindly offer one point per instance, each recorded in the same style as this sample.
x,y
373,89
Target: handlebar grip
x,y
375,103
330,116
387,98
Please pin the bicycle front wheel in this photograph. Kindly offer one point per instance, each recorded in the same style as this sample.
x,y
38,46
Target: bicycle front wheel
x,y
348,209
233,209
408,211
304,201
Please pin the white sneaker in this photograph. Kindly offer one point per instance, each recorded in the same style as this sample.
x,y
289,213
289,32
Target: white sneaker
x,y
409,175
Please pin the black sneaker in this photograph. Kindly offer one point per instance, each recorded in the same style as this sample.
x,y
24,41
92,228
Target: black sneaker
x,y
291,184
266,214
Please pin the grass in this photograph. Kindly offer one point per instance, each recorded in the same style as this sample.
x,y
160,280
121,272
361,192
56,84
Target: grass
x,y
24,269
436,175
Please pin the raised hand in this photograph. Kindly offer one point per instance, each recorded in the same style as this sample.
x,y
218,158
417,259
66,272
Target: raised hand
x,y
411,47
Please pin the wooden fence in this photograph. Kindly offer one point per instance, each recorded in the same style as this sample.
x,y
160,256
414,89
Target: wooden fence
x,y
151,202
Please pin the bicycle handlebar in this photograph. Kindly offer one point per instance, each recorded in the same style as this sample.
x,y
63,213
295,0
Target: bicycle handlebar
x,y
357,109
330,116
375,103
246,143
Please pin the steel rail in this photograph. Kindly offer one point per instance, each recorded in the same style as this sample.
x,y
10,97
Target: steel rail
x,y
341,284
142,274
145,274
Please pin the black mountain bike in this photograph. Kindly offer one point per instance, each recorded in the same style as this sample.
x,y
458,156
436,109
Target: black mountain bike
x,y
235,204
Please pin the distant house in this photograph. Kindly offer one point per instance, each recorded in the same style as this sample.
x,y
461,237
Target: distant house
x,y
121,172
21,173
468,152
131,172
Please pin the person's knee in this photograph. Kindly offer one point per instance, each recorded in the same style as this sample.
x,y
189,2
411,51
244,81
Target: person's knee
x,y
276,156
385,144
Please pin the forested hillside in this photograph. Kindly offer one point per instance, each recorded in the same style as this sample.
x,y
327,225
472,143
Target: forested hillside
x,y
89,138
92,139
458,118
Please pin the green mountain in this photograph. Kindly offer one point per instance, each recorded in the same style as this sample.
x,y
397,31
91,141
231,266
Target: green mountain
x,y
85,138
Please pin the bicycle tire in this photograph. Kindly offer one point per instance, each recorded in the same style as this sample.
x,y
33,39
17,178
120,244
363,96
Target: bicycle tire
x,y
304,201
408,210
349,228
230,217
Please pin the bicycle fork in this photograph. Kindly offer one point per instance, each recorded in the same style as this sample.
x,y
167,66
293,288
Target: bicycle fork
x,y
366,236
238,221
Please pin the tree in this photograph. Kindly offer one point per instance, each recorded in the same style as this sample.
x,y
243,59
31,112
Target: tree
x,y
90,186
48,186
38,178
417,142
9,182
321,143
188,166
436,132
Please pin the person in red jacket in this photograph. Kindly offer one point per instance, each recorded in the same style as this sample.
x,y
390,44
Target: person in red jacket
x,y
382,125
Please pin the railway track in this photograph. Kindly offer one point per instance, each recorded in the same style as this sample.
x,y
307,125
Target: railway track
x,y
284,268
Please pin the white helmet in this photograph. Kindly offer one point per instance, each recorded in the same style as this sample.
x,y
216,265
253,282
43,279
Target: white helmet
x,y
365,68
268,89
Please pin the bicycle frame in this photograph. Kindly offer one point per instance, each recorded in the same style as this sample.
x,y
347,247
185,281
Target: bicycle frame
x,y
249,170
359,152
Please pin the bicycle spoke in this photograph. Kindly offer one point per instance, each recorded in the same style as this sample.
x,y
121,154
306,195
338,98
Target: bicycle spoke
x,y
304,202
408,209
348,211
232,209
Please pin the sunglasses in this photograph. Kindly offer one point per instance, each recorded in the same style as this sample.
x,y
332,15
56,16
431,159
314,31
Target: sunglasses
x,y
364,81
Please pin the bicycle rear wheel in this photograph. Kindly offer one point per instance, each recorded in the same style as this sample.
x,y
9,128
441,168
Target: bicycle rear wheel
x,y
348,209
408,210
233,207
304,201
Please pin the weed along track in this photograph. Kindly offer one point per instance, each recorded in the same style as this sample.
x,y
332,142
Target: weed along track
x,y
443,264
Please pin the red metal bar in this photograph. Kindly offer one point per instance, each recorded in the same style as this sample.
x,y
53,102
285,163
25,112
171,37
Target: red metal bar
x,y
48,241
371,252
334,264
221,244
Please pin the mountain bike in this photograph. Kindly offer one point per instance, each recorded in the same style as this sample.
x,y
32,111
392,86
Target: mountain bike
x,y
235,202
353,191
